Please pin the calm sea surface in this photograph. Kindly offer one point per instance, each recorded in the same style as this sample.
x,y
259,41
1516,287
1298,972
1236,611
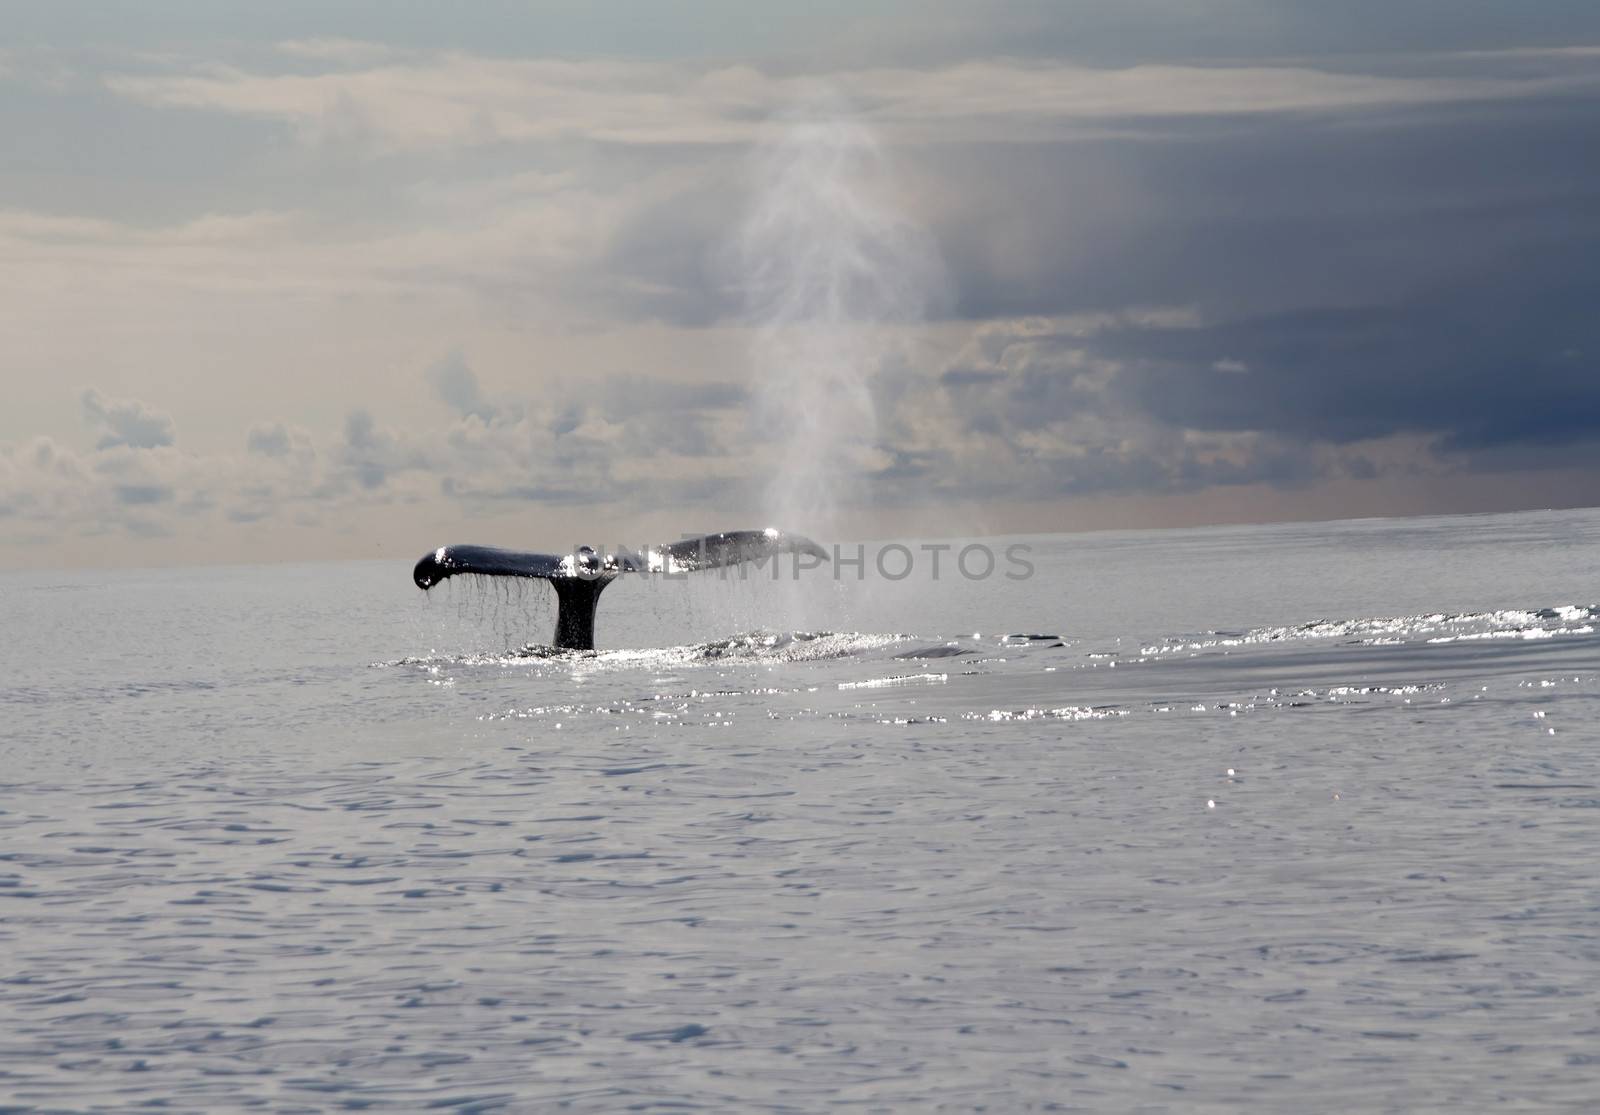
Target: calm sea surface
x,y
1281,818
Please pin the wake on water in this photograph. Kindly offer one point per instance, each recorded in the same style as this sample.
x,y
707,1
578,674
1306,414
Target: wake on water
x,y
504,606
760,647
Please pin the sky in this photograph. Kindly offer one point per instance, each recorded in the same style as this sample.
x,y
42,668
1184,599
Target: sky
x,y
355,279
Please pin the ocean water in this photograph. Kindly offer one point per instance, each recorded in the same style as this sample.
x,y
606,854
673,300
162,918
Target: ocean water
x,y
1295,817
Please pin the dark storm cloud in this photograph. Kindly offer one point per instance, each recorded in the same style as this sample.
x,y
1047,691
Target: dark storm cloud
x,y
1430,273
1494,375
1275,214
1356,274
1510,363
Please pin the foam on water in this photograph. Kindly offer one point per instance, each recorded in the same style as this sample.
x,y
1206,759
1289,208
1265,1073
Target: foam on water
x,y
1439,627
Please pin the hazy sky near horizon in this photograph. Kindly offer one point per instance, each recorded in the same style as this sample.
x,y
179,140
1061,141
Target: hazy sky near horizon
x,y
360,278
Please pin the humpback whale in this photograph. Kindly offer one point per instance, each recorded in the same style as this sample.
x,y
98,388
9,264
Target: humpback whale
x,y
579,577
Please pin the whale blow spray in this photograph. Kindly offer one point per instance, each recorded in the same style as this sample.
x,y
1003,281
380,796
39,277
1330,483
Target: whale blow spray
x,y
832,271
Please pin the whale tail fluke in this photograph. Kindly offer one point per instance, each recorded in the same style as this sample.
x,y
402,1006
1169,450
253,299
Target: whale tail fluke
x,y
579,578
734,546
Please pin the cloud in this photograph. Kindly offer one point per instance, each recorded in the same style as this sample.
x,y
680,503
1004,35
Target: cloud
x,y
371,454
278,441
456,99
118,489
1165,275
38,480
1501,359
1029,409
628,396
626,440
528,248
136,495
1051,187
1137,404
126,422
456,385
341,52
136,481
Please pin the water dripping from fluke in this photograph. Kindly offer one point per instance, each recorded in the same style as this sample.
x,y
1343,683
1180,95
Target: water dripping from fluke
x,y
580,577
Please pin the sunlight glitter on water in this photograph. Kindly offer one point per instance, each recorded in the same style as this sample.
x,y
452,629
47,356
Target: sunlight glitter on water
x,y
785,872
